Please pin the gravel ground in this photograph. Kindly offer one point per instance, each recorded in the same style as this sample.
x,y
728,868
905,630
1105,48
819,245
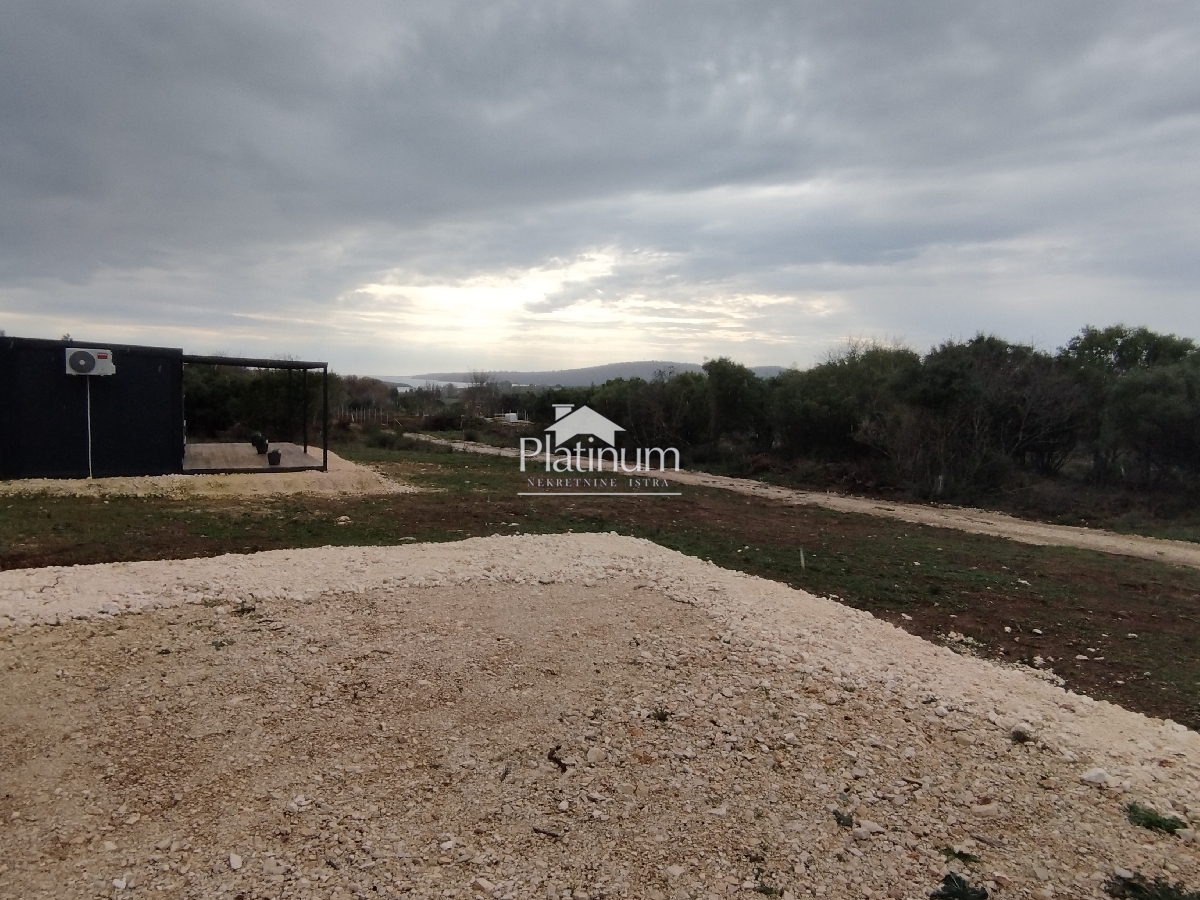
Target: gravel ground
x,y
562,716
343,477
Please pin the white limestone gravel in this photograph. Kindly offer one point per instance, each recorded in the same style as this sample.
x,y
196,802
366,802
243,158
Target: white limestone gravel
x,y
562,716
343,478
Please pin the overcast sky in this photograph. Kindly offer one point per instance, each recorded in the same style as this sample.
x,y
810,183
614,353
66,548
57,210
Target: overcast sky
x,y
401,188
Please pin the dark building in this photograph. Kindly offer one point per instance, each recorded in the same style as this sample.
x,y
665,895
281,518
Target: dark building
x,y
80,413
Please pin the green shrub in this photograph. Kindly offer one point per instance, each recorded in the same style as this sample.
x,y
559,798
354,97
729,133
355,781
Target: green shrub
x,y
442,421
1139,888
387,440
1149,818
955,887
960,855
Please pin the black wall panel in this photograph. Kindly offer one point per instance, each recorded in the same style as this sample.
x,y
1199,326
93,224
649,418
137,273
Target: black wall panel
x,y
137,414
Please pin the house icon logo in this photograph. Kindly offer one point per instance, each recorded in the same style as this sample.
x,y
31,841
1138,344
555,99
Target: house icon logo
x,y
565,450
585,421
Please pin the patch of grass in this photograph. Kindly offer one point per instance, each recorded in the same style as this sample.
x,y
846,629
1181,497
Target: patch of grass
x,y
1140,888
1155,821
955,887
1166,511
660,714
1190,533
960,855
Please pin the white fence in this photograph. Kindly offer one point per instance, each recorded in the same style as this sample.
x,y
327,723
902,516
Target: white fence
x,y
363,416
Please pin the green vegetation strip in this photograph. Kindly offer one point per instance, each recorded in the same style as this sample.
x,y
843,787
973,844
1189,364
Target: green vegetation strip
x,y
1155,821
1141,888
1116,628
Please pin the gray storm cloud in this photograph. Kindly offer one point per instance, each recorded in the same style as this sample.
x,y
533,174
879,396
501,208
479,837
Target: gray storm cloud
x,y
370,182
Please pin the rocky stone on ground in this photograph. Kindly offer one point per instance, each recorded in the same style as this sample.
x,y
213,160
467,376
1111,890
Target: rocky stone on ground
x,y
543,717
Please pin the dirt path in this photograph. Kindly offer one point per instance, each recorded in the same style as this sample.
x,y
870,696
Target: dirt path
x,y
542,718
975,521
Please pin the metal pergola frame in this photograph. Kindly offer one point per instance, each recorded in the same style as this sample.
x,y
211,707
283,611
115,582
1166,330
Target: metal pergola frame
x,y
242,362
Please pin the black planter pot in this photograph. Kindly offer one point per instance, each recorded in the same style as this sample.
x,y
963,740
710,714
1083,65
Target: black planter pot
x,y
274,457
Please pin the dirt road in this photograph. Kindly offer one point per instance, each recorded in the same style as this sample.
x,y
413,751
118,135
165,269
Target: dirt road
x,y
975,521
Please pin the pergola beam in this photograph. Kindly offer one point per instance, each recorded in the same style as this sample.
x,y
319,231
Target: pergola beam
x,y
248,363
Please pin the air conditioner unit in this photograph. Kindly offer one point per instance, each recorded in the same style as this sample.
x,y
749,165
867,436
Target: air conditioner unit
x,y
90,361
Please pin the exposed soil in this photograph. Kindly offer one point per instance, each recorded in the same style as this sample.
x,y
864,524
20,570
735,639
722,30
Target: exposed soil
x,y
1084,604
343,477
545,716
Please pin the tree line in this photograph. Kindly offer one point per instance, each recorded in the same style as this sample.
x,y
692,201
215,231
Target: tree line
x,y
1115,405
1118,404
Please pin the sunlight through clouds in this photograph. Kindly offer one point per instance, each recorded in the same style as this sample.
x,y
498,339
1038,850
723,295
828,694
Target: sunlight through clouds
x,y
576,311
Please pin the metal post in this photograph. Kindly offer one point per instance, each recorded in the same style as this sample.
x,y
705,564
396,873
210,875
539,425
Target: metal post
x,y
304,381
325,419
88,381
290,405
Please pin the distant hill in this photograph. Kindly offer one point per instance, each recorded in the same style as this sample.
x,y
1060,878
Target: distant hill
x,y
766,371
645,369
